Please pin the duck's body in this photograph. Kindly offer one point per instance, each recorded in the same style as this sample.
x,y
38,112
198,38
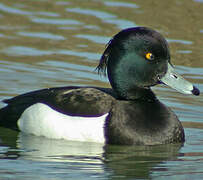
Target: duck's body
x,y
57,112
129,113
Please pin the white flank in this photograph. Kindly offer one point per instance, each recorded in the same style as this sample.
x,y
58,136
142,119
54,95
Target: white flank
x,y
41,120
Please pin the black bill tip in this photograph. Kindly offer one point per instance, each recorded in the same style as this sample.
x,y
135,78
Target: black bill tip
x,y
195,91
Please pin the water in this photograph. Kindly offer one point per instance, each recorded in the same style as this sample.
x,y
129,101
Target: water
x,y
49,43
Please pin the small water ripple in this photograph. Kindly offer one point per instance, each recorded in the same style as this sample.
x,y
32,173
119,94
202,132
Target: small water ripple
x,y
13,10
120,4
44,35
94,38
186,42
90,12
55,21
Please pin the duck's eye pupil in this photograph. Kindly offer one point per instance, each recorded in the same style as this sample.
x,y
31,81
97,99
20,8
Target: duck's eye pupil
x,y
149,56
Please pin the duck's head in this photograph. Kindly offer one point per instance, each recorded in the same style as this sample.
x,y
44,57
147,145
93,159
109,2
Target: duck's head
x,y
138,58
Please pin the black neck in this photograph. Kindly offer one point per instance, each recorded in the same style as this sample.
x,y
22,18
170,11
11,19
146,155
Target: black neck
x,y
143,94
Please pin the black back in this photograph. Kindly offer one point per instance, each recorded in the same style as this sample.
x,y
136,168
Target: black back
x,y
74,101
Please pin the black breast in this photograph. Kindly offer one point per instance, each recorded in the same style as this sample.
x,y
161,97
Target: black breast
x,y
143,123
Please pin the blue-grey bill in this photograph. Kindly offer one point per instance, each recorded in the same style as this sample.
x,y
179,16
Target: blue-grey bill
x,y
177,82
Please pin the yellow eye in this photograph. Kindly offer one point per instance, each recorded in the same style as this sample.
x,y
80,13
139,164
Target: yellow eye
x,y
149,56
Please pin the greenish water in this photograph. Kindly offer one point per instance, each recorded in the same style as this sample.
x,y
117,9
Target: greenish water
x,y
49,43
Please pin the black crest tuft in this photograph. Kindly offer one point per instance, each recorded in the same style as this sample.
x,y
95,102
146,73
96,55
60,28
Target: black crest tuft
x,y
101,68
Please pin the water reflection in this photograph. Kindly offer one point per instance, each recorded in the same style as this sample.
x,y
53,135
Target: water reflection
x,y
43,149
139,161
110,161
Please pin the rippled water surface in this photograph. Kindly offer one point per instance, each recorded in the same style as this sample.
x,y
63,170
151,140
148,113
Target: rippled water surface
x,y
49,43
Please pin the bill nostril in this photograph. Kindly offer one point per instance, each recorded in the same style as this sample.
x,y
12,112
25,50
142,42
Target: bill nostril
x,y
174,76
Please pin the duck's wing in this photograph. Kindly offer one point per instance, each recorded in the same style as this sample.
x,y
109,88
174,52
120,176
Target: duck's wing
x,y
74,101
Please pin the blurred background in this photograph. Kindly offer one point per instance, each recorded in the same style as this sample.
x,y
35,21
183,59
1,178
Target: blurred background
x,y
50,43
